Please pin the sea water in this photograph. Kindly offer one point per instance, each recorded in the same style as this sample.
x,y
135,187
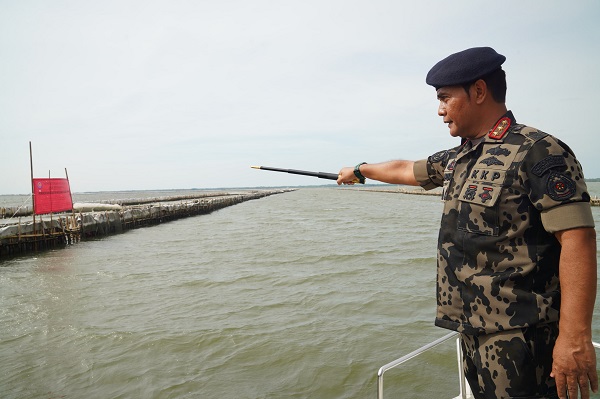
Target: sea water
x,y
297,295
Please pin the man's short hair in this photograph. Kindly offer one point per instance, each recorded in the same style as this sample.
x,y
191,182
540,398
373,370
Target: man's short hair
x,y
496,84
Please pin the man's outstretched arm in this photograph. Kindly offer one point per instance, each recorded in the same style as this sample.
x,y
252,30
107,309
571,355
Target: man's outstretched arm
x,y
393,172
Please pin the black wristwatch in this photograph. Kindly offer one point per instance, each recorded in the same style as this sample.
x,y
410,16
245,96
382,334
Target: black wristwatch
x,y
361,178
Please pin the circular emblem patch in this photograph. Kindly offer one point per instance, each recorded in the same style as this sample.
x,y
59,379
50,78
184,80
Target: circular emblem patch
x,y
560,187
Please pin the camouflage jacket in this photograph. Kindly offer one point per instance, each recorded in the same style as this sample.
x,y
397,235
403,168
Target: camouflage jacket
x,y
504,198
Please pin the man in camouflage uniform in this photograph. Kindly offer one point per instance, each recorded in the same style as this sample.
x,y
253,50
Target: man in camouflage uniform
x,y
517,245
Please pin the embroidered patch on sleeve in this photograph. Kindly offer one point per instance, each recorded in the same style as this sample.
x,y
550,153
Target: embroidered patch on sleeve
x,y
438,156
547,163
560,187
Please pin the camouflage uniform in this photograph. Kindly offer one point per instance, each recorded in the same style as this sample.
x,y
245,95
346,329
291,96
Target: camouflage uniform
x,y
504,198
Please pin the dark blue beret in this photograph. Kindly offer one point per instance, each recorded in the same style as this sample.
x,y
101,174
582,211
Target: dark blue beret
x,y
464,67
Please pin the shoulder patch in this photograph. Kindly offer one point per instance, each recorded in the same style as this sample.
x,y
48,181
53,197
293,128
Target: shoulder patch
x,y
548,163
560,187
500,129
438,157
532,133
537,135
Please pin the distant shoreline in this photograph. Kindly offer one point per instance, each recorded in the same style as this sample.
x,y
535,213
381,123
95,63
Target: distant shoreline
x,y
420,191
378,186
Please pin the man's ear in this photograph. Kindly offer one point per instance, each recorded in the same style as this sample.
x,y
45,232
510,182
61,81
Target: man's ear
x,y
480,91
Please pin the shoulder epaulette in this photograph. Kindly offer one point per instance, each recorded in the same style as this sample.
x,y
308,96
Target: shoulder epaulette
x,y
500,129
531,133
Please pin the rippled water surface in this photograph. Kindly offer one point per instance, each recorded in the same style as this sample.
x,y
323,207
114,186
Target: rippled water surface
x,y
297,295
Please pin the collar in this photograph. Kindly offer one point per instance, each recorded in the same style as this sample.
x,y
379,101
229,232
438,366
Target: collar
x,y
496,134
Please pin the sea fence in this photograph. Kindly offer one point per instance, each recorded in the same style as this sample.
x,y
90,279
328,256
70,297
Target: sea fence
x,y
96,220
19,235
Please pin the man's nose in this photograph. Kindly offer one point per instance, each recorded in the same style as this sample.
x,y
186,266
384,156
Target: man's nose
x,y
441,109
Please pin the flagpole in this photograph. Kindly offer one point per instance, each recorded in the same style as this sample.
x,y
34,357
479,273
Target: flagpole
x,y
70,194
71,224
32,194
51,204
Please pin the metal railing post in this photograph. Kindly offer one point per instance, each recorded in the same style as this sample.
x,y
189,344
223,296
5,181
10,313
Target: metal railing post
x,y
406,358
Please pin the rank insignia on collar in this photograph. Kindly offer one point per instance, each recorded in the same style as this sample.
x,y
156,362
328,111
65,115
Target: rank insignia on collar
x,y
500,129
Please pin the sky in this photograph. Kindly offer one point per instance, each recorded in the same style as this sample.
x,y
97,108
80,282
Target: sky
x,y
180,94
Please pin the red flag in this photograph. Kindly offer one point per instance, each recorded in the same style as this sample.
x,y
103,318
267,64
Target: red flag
x,y
52,195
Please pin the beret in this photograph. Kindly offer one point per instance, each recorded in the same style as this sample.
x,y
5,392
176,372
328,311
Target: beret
x,y
464,67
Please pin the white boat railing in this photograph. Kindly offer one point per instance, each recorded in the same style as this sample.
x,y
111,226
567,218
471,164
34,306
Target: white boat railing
x,y
463,386
464,389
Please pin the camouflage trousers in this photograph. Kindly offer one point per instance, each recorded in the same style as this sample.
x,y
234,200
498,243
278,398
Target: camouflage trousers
x,y
511,364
